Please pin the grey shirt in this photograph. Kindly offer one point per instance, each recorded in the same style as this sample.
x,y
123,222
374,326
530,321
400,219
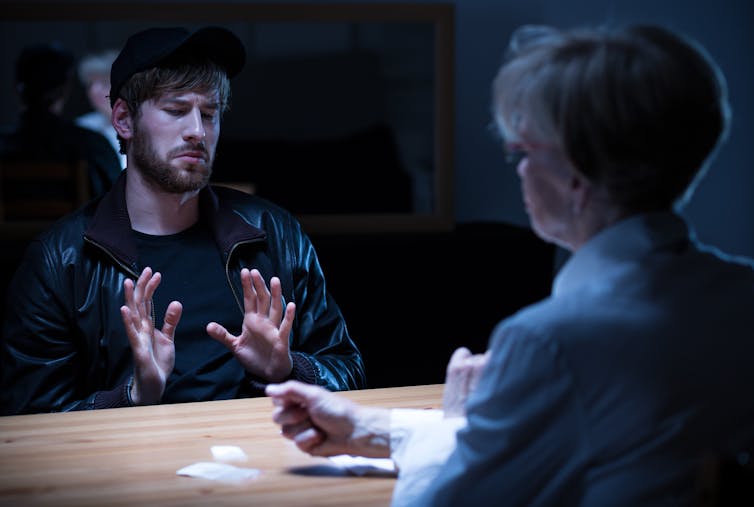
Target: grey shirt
x,y
610,391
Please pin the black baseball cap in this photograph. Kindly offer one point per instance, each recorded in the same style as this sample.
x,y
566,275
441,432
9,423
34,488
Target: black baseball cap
x,y
149,48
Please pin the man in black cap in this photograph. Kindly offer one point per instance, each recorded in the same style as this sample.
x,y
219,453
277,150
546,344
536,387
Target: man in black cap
x,y
44,79
157,293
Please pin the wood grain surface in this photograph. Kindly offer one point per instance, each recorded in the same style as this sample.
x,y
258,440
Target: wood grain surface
x,y
129,456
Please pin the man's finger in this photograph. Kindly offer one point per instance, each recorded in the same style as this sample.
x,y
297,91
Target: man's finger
x,y
249,295
219,333
172,317
276,302
263,295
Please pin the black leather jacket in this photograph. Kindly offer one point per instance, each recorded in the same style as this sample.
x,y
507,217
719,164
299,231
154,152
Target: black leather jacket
x,y
65,346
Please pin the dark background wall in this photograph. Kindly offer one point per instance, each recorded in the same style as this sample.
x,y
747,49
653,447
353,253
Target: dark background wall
x,y
722,209
485,189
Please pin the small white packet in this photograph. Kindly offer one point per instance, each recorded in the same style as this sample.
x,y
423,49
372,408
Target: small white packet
x,y
218,472
228,453
359,465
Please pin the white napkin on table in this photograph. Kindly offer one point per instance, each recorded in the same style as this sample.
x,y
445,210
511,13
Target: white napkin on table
x,y
218,472
224,472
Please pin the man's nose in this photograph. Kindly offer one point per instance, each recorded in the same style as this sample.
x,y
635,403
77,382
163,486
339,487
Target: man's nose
x,y
194,128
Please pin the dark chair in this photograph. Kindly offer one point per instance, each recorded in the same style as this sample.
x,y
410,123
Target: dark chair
x,y
33,194
40,190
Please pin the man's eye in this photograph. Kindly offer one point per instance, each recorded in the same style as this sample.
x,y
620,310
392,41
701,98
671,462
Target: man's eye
x,y
174,112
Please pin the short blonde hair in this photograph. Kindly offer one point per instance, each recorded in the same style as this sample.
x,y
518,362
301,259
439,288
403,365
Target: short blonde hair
x,y
638,110
96,64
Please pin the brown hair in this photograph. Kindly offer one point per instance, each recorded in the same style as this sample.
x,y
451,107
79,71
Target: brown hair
x,y
201,76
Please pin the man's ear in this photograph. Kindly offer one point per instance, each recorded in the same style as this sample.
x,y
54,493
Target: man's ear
x,y
122,120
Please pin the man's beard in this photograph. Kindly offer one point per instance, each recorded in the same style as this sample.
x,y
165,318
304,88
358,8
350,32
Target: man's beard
x,y
161,174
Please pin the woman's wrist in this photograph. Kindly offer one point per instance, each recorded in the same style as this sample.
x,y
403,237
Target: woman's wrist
x,y
371,434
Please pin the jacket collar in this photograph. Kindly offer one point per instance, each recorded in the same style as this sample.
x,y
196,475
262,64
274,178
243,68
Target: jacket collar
x,y
110,227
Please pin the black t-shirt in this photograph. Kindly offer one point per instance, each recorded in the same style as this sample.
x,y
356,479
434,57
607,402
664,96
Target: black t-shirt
x,y
193,274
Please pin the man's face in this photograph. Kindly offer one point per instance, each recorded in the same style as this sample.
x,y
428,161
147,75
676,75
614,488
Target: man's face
x,y
546,184
174,140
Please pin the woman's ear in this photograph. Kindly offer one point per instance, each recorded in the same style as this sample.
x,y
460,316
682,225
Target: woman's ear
x,y
122,120
581,191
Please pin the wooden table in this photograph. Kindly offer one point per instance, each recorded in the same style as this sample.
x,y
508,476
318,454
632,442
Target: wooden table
x,y
129,456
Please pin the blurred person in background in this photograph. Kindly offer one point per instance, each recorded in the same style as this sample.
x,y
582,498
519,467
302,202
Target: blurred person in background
x,y
44,80
94,74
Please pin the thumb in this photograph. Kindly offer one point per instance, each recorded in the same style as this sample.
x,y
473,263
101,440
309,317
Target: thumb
x,y
456,364
293,391
219,333
460,354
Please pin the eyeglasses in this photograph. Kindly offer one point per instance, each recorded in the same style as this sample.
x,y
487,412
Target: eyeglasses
x,y
515,152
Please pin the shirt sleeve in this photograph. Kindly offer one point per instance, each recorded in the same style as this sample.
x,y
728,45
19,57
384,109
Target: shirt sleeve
x,y
420,442
524,440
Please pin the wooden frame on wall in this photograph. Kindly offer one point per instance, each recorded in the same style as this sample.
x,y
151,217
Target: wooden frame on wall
x,y
439,216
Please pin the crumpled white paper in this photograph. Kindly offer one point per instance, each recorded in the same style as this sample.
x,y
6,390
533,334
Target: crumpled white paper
x,y
359,465
218,472
228,453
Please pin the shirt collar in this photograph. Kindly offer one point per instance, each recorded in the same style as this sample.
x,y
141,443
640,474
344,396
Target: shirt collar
x,y
625,241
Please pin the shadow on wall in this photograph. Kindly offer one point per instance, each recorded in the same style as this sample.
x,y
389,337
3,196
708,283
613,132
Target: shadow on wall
x,y
361,182
334,145
410,300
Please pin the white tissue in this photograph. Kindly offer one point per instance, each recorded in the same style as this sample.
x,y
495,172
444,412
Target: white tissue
x,y
218,472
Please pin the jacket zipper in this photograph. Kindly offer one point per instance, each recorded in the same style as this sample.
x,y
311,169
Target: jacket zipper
x,y
126,268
